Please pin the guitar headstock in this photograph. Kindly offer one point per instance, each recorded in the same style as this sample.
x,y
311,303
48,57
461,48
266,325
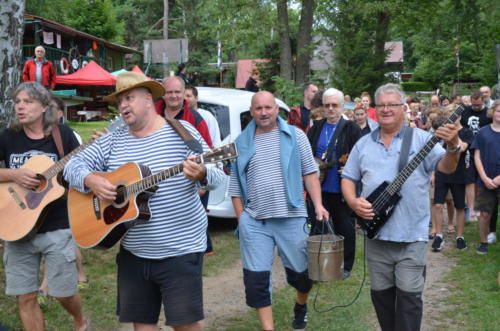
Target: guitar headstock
x,y
222,153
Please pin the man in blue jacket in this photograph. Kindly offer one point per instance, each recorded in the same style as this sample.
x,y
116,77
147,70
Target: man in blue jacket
x,y
274,159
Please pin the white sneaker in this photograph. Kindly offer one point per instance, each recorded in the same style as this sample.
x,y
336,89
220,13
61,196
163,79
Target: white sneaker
x,y
492,238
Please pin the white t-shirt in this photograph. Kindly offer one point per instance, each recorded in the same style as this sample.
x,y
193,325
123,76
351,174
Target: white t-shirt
x,y
213,126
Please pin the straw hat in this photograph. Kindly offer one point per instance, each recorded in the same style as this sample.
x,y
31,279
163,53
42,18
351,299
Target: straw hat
x,y
130,80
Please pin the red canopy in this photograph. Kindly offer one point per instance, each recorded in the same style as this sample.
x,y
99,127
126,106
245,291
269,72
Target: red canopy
x,y
91,74
137,69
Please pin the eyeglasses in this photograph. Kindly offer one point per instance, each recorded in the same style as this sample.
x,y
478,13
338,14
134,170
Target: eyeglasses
x,y
391,106
331,105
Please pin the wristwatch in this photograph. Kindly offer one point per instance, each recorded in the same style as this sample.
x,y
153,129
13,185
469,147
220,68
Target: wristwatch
x,y
454,150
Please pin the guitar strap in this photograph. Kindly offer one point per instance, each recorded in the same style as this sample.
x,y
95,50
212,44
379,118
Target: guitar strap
x,y
405,147
56,135
333,141
188,139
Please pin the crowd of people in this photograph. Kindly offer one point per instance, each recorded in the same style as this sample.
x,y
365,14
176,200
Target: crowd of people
x,y
337,158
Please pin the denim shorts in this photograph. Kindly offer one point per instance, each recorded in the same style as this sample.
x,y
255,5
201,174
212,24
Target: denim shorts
x,y
22,264
143,284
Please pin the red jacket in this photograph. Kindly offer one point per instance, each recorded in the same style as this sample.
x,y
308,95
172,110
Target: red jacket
x,y
48,73
371,114
189,115
295,118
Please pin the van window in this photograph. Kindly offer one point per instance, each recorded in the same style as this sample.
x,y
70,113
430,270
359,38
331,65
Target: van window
x,y
245,117
221,113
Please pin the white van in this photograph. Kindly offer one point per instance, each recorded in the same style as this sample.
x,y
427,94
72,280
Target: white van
x,y
231,108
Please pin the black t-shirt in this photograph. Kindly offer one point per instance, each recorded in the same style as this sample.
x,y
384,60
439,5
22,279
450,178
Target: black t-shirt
x,y
474,120
16,148
457,177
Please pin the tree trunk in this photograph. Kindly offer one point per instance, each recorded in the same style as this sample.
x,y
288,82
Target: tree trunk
x,y
11,40
286,66
381,33
304,47
165,33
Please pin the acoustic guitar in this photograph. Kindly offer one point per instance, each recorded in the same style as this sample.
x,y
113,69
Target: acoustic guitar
x,y
97,223
22,211
386,196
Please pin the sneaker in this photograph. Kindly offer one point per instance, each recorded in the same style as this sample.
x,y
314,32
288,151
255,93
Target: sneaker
x,y
492,238
461,244
300,317
347,274
483,249
438,244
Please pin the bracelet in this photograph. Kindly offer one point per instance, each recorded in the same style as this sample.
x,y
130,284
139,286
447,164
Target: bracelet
x,y
454,150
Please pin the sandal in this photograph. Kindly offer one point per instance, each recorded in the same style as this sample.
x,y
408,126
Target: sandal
x,y
432,235
451,229
83,284
41,298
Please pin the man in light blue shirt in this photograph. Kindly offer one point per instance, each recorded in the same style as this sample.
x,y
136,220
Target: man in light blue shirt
x,y
397,255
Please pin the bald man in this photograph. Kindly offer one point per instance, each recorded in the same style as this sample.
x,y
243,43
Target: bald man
x,y
269,204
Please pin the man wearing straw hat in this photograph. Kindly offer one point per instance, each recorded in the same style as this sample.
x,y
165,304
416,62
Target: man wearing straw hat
x,y
160,261
274,159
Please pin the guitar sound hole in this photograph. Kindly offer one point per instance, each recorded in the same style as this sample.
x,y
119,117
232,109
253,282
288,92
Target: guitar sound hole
x,y
43,183
120,197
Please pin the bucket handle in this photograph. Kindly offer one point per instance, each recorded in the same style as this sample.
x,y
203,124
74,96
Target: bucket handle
x,y
329,225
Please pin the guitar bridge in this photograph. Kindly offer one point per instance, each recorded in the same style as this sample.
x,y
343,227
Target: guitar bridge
x,y
16,198
97,207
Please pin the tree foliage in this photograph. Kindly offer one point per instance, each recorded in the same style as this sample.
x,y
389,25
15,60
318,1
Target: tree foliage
x,y
96,17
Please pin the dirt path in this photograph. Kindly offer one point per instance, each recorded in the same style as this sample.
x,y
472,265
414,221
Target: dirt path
x,y
436,292
224,296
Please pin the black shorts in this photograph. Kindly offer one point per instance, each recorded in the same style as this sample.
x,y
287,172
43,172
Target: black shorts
x,y
471,174
143,285
457,192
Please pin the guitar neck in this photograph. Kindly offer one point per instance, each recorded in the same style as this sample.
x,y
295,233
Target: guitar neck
x,y
59,165
150,181
403,175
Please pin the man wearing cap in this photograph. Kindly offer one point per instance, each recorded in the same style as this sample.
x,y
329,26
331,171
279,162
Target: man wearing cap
x,y
159,261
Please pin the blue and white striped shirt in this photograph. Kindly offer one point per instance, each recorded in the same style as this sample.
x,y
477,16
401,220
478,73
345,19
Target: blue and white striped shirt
x,y
266,189
178,224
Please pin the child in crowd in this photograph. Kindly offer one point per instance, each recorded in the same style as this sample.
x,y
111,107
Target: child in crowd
x,y
486,147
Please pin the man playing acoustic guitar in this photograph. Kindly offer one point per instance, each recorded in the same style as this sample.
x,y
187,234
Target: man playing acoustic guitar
x,y
397,255
160,260
31,135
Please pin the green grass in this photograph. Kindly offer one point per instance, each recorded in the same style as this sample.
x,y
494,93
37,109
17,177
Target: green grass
x,y
475,298
85,129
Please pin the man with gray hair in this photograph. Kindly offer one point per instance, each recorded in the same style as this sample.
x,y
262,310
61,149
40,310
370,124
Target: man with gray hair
x,y
40,70
331,142
397,254
486,93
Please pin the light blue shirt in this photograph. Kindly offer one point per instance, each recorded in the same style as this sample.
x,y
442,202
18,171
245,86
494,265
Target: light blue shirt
x,y
371,163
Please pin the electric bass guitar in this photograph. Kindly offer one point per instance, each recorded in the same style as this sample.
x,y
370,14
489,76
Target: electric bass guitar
x,y
22,211
97,223
386,196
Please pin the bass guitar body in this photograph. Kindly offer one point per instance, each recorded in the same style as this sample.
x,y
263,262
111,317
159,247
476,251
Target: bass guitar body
x,y
22,211
383,204
99,223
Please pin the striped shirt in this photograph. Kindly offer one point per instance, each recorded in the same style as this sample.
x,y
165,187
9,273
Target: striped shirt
x,y
266,189
178,224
